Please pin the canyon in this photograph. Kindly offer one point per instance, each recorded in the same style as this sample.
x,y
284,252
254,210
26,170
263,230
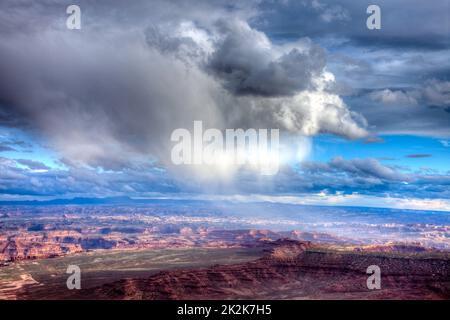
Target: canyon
x,y
295,270
198,251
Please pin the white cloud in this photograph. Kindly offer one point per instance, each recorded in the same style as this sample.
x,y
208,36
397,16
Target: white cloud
x,y
394,97
434,93
340,199
103,105
445,143
330,13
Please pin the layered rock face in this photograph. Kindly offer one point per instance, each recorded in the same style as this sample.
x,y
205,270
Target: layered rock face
x,y
24,244
21,247
28,232
295,270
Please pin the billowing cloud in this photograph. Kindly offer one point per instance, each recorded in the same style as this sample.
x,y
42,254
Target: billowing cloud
x,y
422,109
437,93
434,93
106,98
250,64
107,105
394,97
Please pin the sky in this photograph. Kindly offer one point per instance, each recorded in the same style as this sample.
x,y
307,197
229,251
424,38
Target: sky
x,y
364,115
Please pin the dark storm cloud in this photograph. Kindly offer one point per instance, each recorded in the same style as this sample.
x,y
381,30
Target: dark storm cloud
x,y
243,59
97,102
111,93
410,51
408,24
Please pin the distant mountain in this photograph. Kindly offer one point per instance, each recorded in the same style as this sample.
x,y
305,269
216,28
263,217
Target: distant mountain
x,y
68,201
98,201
